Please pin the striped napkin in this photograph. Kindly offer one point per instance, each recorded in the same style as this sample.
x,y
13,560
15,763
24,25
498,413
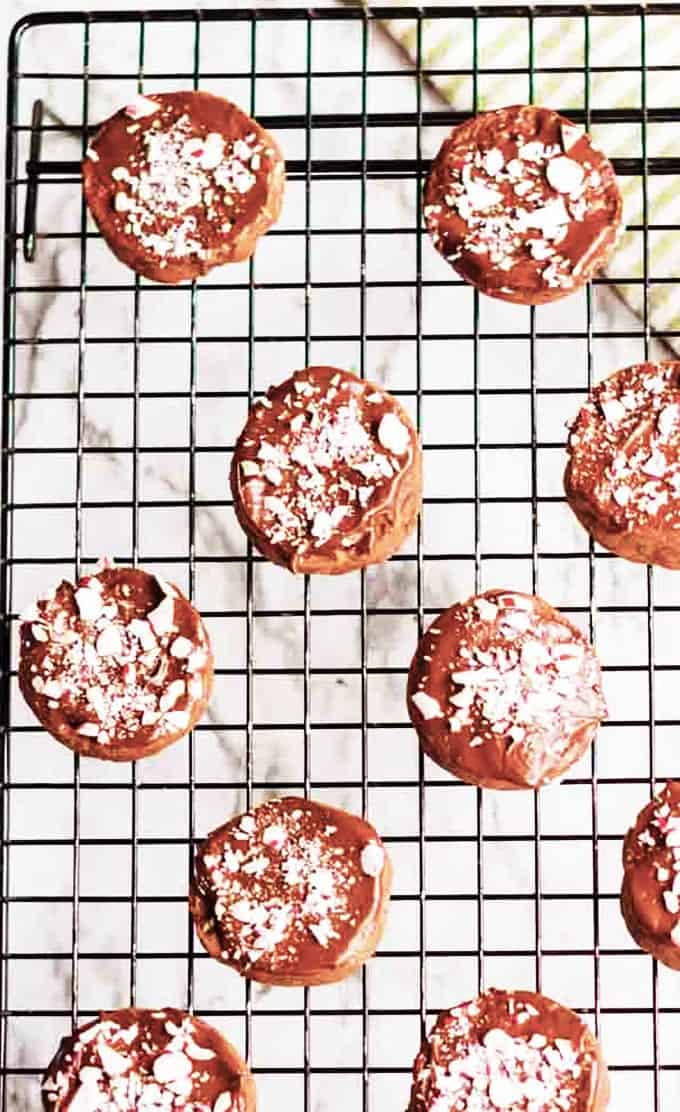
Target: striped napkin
x,y
560,41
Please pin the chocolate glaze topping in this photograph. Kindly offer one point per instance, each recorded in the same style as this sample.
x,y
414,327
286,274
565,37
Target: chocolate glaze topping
x,y
180,182
292,890
137,1058
117,666
504,691
522,204
326,475
651,885
509,1050
623,474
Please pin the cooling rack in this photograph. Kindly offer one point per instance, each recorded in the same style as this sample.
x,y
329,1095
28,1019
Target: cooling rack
x,y
517,890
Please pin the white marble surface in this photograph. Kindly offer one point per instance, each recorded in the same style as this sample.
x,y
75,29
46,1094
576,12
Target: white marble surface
x,y
43,981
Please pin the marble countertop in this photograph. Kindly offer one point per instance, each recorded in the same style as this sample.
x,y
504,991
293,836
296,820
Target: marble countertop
x,y
166,809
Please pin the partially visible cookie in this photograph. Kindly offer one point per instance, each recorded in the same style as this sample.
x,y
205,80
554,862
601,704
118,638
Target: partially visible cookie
x,y
518,1051
117,666
504,692
294,892
522,204
623,475
650,896
139,1058
181,182
327,473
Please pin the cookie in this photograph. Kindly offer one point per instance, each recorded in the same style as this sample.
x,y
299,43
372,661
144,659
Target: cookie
x,y
623,475
509,1050
650,895
522,204
327,474
117,666
504,692
294,892
138,1058
178,183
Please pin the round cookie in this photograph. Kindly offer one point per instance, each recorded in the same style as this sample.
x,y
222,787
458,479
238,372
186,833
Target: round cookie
x,y
327,473
522,204
504,692
117,666
293,892
623,475
509,1050
138,1058
181,182
650,895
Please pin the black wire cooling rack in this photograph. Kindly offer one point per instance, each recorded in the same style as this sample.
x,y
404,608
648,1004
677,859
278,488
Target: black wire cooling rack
x,y
519,890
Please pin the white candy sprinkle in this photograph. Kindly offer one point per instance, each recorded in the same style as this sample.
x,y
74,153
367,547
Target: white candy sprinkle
x,y
39,632
109,642
121,202
143,632
177,719
52,689
322,932
675,934
668,419
171,1067
493,162
141,106
223,1103
119,173
621,495
613,410
181,647
88,729
564,174
427,705
162,618
249,468
172,693
393,435
89,603
92,154
488,611
114,1064
274,835
372,859
213,152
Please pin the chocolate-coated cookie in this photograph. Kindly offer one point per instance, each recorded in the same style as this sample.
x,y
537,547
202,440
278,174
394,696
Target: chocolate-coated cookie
x,y
504,692
152,1060
650,895
181,182
117,666
327,474
509,1052
623,476
522,204
294,892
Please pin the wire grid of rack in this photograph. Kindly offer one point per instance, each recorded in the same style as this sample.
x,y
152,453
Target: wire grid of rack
x,y
478,897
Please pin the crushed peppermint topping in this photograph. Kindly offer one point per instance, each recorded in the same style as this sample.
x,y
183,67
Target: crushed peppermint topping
x,y
625,445
513,673
95,654
327,453
177,190
468,1066
281,879
523,202
157,1061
